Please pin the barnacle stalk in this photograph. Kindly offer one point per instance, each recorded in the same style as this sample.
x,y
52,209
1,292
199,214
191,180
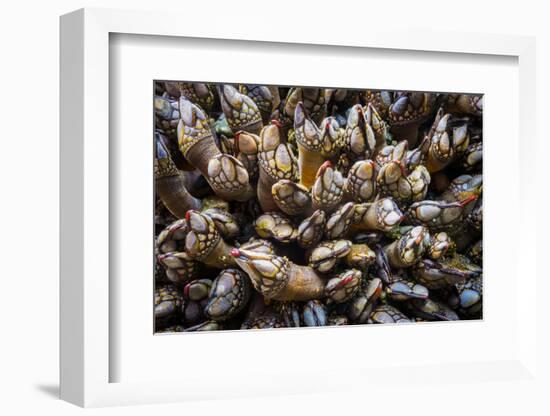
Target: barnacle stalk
x,y
315,144
203,242
195,137
278,278
226,175
170,183
308,138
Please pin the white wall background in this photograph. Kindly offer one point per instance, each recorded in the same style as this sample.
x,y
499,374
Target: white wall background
x,y
29,177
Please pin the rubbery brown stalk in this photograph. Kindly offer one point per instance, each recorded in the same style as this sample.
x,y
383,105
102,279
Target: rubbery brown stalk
x,y
201,153
303,284
309,163
174,195
170,183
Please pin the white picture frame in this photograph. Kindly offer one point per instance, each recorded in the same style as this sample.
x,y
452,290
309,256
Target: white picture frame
x,y
86,215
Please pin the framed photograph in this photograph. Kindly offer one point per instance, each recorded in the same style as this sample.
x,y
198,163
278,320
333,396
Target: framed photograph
x,y
310,210
291,208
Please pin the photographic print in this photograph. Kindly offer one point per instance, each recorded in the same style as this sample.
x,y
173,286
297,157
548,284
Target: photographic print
x,y
288,206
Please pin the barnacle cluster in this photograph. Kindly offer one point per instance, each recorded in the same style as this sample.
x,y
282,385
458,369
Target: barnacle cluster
x,y
299,206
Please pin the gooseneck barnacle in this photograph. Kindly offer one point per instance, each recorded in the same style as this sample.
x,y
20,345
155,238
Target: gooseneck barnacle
x,y
278,278
307,206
